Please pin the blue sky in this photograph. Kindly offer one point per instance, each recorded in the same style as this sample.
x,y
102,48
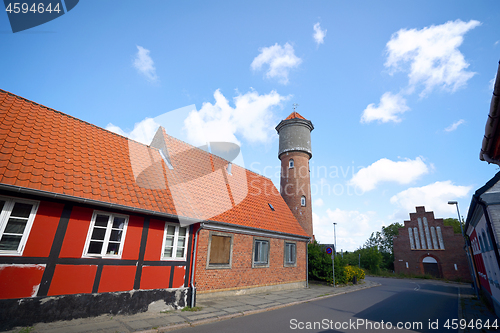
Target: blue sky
x,y
398,91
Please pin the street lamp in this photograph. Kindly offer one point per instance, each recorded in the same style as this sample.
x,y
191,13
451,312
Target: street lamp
x,y
466,248
459,219
334,237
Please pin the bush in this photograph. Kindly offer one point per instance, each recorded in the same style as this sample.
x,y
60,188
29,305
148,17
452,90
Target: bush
x,y
352,271
320,266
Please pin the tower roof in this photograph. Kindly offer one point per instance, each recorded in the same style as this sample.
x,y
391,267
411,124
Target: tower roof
x,y
293,115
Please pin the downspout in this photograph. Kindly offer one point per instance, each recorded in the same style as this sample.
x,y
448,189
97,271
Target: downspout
x,y
307,264
193,288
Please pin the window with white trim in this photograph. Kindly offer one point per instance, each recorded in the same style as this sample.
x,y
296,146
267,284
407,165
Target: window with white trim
x,y
16,219
106,235
260,253
290,254
291,164
174,242
303,201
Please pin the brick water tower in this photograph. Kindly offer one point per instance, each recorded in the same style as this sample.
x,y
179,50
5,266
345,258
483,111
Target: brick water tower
x,y
295,152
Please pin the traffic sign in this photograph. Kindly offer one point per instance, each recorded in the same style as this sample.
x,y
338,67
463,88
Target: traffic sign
x,y
329,250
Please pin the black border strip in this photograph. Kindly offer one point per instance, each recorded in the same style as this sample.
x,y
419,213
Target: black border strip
x,y
55,250
142,251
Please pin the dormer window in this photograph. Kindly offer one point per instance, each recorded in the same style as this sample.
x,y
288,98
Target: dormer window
x,y
303,201
290,163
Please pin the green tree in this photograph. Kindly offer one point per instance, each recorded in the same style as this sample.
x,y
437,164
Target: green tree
x,y
384,242
371,258
454,223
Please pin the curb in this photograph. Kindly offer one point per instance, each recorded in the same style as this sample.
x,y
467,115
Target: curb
x,y
247,313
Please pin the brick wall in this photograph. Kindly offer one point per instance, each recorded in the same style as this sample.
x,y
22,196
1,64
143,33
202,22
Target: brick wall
x,y
296,183
453,252
241,274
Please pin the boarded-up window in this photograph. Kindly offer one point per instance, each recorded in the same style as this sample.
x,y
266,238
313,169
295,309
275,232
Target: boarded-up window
x,y
220,250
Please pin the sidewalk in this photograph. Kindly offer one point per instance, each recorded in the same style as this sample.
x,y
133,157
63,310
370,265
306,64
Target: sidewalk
x,y
472,309
211,310
228,307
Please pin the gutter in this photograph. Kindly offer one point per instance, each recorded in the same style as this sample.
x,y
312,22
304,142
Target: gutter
x,y
193,287
490,130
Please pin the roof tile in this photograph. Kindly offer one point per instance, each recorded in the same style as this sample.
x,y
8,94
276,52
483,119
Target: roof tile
x,y
50,151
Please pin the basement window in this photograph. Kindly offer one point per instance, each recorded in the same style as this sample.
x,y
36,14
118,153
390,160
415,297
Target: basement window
x,y
16,219
290,254
219,250
174,242
106,235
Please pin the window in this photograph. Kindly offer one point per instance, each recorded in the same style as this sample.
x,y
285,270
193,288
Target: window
x,y
290,163
303,201
174,242
260,253
106,235
220,250
290,254
16,219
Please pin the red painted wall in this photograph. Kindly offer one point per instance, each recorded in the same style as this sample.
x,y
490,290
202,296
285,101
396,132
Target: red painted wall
x,y
155,240
117,278
76,233
132,243
72,279
155,277
18,281
43,230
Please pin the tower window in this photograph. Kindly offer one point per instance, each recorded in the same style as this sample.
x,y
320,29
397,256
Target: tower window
x,y
303,201
290,163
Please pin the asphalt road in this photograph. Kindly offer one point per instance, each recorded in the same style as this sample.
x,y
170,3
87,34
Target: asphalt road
x,y
418,305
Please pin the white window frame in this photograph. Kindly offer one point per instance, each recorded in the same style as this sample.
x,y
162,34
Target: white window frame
x,y
291,163
176,239
303,201
4,218
107,235
290,263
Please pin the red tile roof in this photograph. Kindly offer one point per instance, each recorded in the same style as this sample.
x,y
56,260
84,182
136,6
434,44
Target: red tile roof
x,y
48,151
293,115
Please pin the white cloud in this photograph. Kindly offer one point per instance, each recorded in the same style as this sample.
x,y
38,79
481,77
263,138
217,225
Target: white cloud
x,y
492,83
318,203
431,56
434,197
143,131
280,60
389,108
319,35
385,170
144,64
352,230
454,126
251,118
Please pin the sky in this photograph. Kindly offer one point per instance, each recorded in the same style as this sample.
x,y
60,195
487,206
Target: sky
x,y
398,91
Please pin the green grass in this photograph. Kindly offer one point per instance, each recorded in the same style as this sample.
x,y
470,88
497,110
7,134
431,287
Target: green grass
x,y
195,308
25,330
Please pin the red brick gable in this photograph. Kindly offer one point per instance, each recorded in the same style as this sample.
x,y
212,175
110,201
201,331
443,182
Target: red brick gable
x,y
48,151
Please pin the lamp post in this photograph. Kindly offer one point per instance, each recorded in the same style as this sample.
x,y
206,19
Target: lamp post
x,y
467,253
459,219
